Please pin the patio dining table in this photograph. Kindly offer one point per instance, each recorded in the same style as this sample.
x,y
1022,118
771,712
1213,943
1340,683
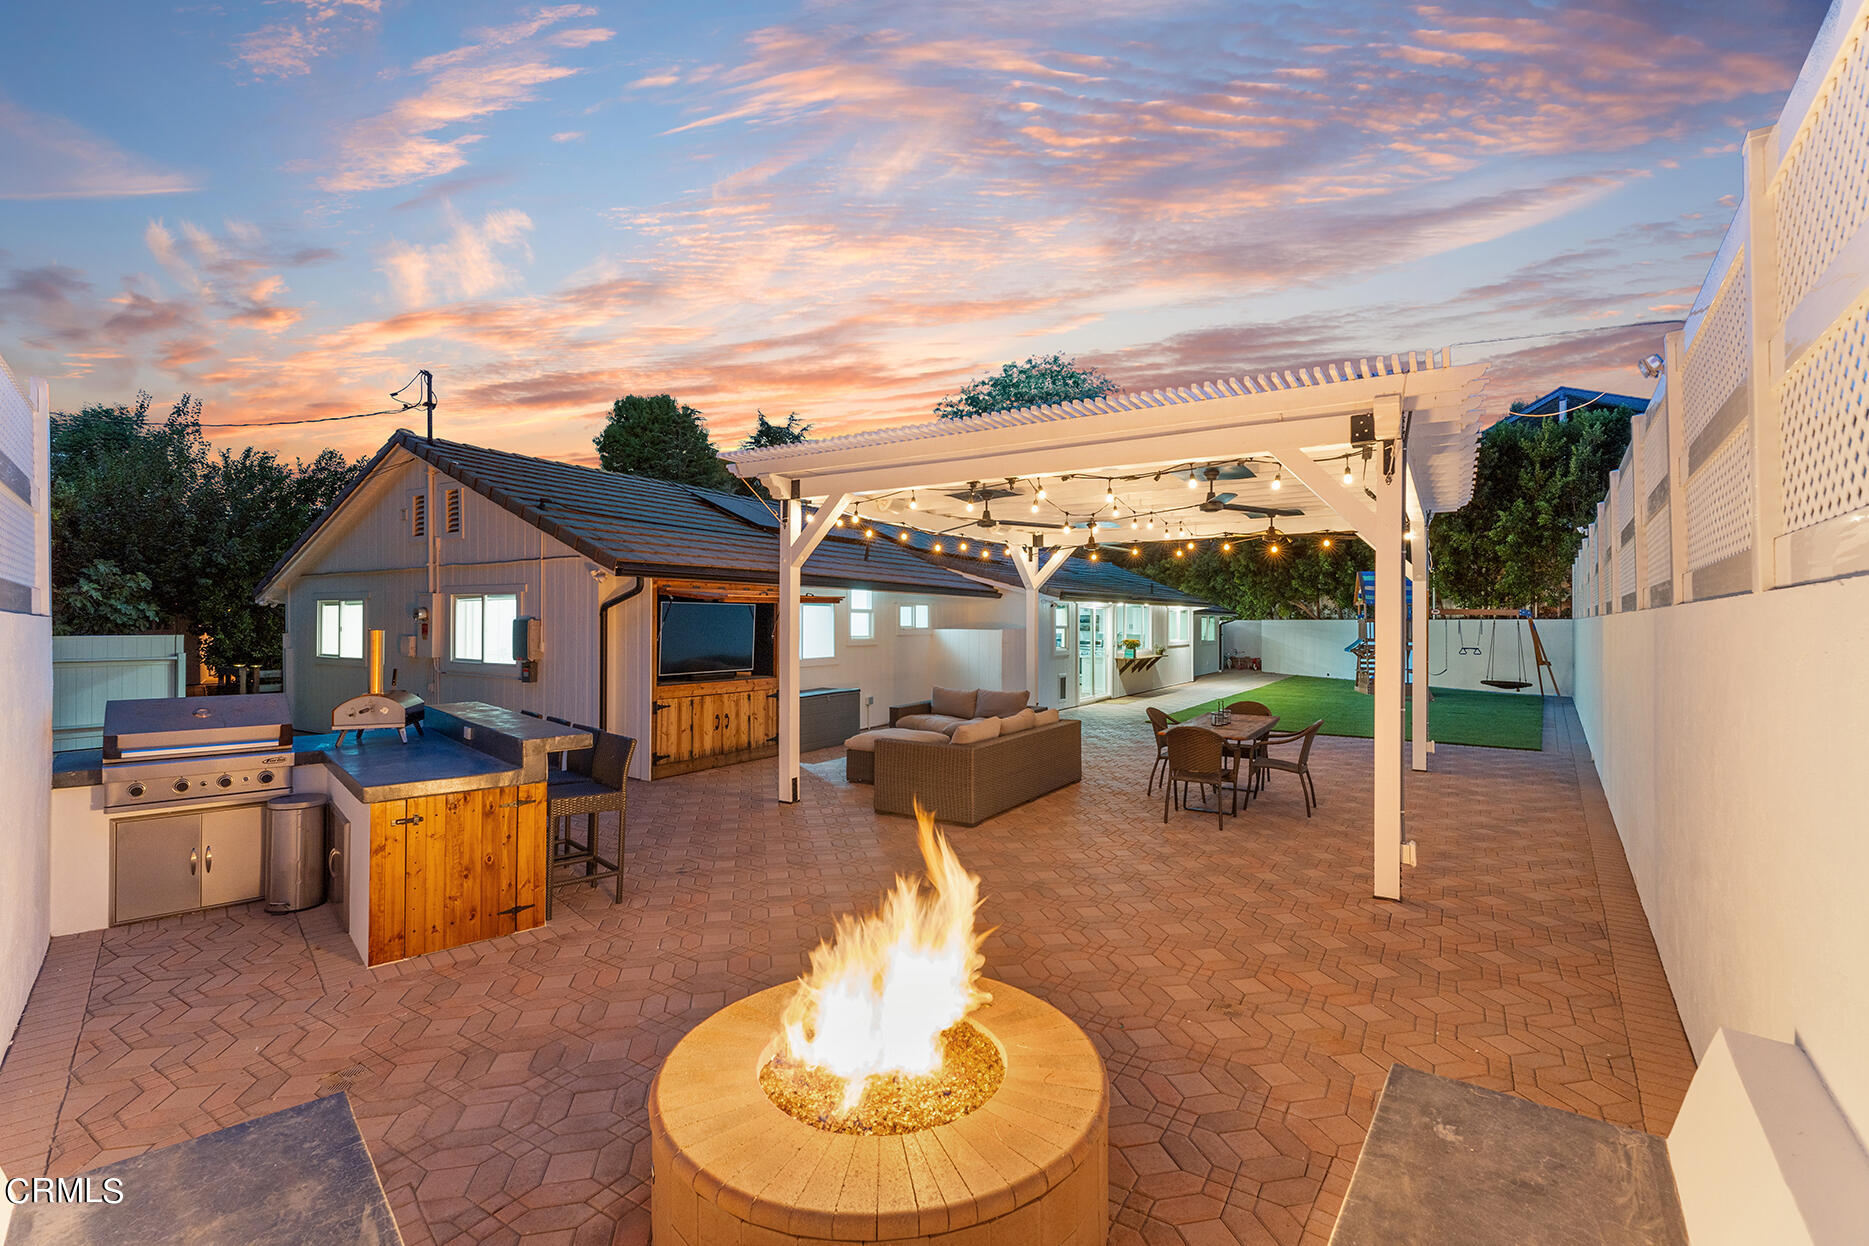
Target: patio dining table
x,y
1240,734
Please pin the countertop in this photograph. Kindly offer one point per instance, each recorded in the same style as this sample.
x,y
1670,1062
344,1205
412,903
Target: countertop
x,y
465,746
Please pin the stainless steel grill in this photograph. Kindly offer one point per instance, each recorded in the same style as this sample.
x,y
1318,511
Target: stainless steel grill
x,y
160,753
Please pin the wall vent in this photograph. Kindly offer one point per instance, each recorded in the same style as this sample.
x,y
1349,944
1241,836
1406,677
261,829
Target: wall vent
x,y
418,514
452,500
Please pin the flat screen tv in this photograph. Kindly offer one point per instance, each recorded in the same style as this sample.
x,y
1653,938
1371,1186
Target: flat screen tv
x,y
707,639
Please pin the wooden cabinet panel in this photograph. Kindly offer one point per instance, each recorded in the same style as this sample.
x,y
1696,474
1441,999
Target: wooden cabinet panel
x,y
528,857
389,877
426,840
232,844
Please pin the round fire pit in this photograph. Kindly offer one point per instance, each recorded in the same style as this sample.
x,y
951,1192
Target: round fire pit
x,y
1031,1162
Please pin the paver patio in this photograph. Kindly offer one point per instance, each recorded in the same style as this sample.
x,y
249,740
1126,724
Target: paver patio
x,y
1247,994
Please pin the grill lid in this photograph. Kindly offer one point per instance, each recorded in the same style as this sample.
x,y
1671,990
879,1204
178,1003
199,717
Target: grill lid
x,y
206,723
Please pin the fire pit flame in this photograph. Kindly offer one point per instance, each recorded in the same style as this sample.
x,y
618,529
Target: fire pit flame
x,y
880,993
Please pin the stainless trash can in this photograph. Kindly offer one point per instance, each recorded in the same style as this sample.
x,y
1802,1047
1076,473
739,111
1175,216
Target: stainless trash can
x,y
295,865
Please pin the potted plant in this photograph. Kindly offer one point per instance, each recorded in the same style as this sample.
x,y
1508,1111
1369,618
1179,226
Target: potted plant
x,y
1130,645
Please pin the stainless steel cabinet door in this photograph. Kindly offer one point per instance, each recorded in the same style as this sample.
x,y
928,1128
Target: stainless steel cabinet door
x,y
232,843
158,866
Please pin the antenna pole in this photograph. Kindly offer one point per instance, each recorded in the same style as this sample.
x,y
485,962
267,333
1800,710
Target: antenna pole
x,y
428,399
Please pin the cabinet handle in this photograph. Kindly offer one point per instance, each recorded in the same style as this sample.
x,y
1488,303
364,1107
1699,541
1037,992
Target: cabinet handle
x,y
194,860
210,859
330,861
514,804
406,821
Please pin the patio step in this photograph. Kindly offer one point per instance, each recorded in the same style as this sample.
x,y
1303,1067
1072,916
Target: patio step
x,y
1450,1164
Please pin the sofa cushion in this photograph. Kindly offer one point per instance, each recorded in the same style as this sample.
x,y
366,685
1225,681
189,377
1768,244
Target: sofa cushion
x,y
977,730
954,702
1024,720
995,704
1043,718
865,741
943,723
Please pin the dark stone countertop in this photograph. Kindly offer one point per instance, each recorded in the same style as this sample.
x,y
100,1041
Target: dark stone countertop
x,y
1451,1164
299,1177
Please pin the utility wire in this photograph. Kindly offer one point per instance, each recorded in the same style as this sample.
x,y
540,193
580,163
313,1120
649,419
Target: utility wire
x,y
327,419
1603,328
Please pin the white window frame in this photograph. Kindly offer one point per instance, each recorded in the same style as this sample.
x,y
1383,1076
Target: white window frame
x,y
318,632
1144,633
1060,630
1178,629
455,598
913,617
826,631
1210,629
863,613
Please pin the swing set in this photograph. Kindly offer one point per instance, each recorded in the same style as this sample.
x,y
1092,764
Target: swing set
x,y
1522,622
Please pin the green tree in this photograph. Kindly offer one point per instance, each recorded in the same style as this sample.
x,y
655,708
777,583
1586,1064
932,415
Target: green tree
x,y
659,437
1537,483
771,433
151,528
1305,579
1037,381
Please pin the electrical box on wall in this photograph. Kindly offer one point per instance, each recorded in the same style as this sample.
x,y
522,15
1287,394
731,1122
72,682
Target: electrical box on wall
x,y
407,644
528,646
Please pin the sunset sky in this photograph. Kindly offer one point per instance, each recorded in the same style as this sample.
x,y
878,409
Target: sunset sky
x,y
846,209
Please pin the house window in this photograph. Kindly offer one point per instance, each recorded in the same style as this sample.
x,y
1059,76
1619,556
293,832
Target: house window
x,y
817,631
913,618
483,627
451,512
862,614
1060,628
1135,625
418,514
340,629
1178,627
1210,629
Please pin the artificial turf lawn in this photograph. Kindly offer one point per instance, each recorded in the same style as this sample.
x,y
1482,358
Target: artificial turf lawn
x,y
1458,716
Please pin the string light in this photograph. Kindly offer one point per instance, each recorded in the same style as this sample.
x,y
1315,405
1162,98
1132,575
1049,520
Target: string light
x,y
1271,549
903,536
970,506
868,533
1041,491
1349,478
1179,554
1327,539
1226,547
986,553
1192,483
913,504
1094,555
1035,504
1151,524
1133,522
937,547
1278,481
1109,493
963,547
1135,551
1116,513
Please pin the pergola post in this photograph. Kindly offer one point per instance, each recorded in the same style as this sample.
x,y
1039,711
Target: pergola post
x,y
797,540
1035,567
1390,491
1419,572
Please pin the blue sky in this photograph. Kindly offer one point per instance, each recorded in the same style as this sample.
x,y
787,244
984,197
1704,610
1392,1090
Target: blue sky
x,y
846,209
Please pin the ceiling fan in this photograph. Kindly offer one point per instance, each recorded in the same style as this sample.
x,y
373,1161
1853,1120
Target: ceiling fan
x,y
1224,501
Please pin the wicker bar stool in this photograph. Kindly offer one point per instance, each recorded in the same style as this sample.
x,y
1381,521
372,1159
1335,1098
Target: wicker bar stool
x,y
594,780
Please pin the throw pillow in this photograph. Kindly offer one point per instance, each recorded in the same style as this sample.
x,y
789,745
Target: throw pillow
x,y
954,702
994,704
977,730
1024,720
1046,717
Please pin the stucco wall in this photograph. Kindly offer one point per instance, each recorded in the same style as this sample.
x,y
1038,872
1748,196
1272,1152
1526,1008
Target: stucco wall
x,y
1730,737
26,767
1315,647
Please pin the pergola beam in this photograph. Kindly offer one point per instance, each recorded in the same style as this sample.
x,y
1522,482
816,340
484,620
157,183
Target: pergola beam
x,y
797,541
1419,572
1035,567
1389,650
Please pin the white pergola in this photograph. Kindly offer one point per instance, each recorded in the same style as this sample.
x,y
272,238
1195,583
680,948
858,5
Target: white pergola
x,y
1368,447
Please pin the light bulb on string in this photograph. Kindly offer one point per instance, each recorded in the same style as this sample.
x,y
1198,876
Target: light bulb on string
x,y
963,547
1327,539
1349,477
1192,483
1278,481
1109,493
913,504
1041,491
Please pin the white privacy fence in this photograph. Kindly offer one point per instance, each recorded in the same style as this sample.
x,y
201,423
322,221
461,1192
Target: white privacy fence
x,y
1750,468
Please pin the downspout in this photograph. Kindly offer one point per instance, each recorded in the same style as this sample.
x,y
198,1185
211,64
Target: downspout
x,y
603,651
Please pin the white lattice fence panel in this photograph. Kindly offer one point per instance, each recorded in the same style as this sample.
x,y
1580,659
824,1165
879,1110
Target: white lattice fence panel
x,y
1825,403
1653,449
1624,489
1658,537
1823,185
1625,568
1719,504
1720,355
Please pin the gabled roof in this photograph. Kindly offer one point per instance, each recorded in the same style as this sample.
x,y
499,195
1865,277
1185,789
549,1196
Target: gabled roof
x,y
1079,579
633,525
1572,398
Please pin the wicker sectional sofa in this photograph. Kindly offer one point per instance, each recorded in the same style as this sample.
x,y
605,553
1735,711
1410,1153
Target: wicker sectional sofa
x,y
963,783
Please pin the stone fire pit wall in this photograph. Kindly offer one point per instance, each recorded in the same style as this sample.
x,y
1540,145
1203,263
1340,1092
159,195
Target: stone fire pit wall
x,y
1031,1165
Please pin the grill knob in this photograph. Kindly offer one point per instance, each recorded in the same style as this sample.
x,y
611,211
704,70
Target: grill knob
x,y
181,785
136,790
226,780
266,776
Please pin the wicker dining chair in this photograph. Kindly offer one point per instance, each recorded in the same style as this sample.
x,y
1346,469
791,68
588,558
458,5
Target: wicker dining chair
x,y
1254,709
1197,755
595,780
1263,761
1158,727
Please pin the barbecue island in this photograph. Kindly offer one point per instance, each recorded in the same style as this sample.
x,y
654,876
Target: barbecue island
x,y
433,842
